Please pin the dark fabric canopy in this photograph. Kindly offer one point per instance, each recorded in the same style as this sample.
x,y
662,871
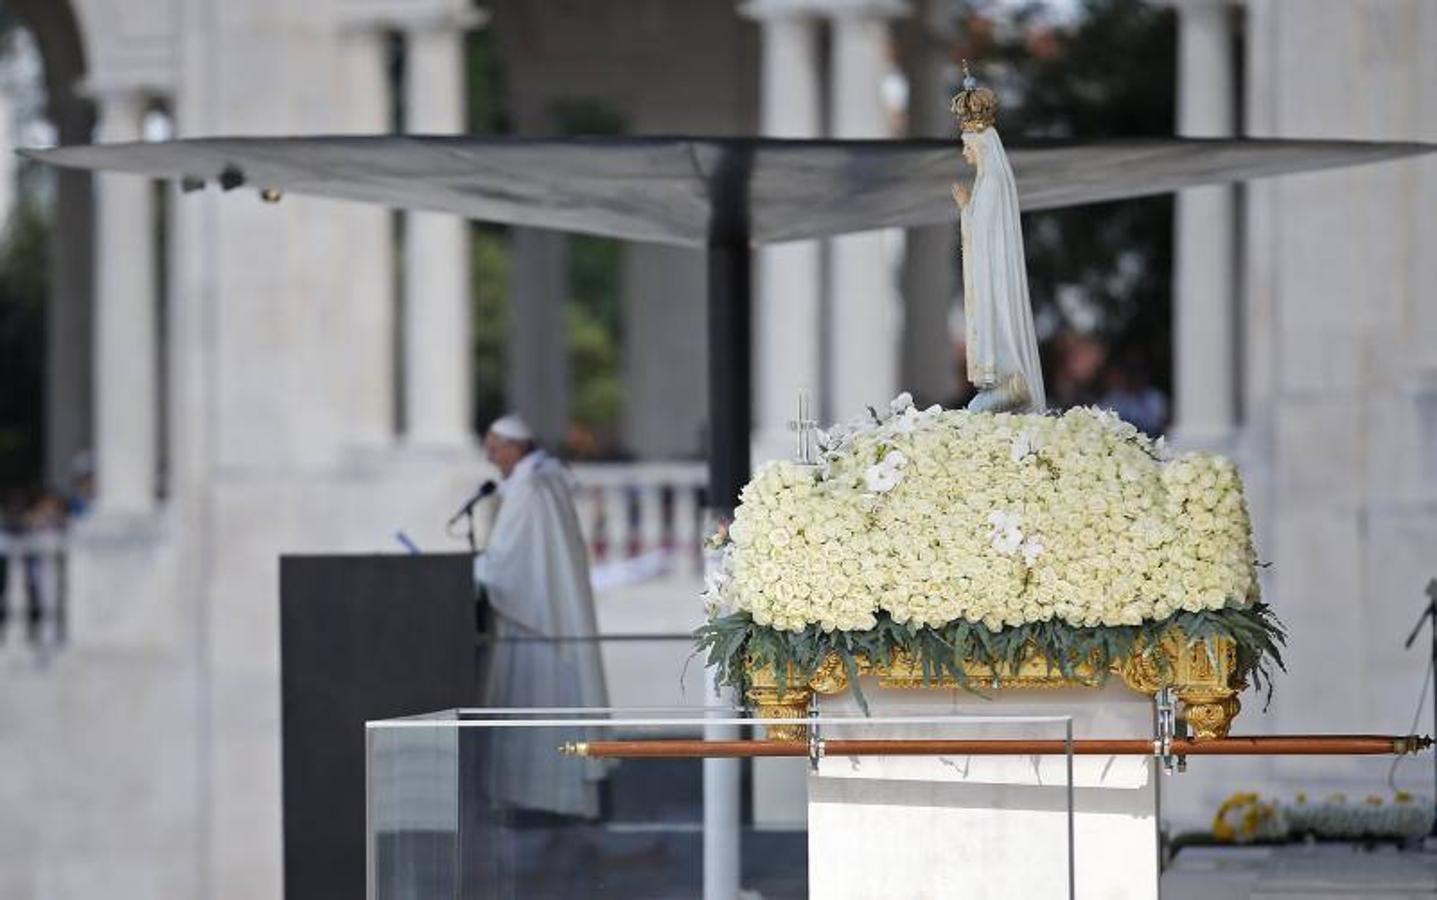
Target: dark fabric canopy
x,y
693,191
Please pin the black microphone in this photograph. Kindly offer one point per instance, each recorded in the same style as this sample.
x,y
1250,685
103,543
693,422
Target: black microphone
x,y
485,490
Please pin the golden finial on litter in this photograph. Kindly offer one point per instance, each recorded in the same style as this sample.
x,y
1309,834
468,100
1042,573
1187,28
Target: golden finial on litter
x,y
574,748
975,108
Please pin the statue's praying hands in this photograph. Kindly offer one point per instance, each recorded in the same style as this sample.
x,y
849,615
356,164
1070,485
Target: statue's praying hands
x,y
960,194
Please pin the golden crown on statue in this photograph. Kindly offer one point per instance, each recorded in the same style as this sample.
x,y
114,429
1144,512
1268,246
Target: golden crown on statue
x,y
974,107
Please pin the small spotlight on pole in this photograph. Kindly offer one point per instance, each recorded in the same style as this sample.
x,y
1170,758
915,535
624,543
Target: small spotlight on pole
x,y
271,195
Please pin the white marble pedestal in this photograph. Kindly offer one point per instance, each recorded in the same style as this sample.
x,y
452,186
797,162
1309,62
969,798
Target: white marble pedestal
x,y
986,827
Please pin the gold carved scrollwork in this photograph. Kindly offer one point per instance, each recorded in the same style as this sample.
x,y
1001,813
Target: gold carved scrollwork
x,y
831,677
1203,677
770,701
1209,716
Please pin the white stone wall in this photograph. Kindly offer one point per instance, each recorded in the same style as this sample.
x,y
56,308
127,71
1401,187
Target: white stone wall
x,y
1339,394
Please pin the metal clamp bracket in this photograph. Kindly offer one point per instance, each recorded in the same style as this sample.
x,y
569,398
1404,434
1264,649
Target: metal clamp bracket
x,y
815,745
1167,730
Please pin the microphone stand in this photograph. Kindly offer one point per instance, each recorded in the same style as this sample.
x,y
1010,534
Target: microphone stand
x,y
466,512
469,527
1429,614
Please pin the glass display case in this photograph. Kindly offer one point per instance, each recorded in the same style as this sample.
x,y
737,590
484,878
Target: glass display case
x,y
660,802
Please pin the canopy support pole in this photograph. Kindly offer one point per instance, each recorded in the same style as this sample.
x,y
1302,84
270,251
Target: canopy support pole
x,y
730,390
730,418
730,376
730,321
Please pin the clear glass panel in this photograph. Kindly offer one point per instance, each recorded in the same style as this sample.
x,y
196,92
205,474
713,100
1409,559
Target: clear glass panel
x,y
484,804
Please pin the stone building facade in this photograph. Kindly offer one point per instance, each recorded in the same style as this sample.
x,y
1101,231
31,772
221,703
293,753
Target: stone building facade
x,y
144,760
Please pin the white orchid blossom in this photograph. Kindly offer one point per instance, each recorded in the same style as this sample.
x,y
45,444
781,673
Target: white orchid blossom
x,y
885,475
1025,444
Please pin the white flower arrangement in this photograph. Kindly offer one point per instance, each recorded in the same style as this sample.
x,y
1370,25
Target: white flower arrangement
x,y
936,516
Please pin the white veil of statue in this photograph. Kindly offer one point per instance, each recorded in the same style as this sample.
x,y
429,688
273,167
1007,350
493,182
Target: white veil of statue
x,y
1002,344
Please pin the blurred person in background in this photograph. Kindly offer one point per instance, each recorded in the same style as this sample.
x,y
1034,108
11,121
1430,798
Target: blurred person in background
x,y
1074,365
1129,392
81,495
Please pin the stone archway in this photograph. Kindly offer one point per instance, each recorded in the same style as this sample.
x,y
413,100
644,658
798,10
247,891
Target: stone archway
x,y
70,310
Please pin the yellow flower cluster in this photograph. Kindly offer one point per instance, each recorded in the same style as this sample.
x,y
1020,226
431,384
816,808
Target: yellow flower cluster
x,y
939,515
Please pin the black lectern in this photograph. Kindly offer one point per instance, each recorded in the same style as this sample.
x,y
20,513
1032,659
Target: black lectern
x,y
361,637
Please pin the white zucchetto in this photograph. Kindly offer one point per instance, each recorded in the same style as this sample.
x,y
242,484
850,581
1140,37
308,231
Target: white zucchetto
x,y
512,428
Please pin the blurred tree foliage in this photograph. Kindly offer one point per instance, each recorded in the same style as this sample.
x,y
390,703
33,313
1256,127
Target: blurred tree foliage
x,y
593,312
489,273
1110,73
489,244
485,84
594,315
24,287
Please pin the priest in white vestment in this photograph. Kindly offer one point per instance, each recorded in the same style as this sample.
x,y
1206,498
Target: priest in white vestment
x,y
535,572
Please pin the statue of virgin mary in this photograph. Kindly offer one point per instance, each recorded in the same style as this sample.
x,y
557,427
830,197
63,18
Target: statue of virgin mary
x,y
998,316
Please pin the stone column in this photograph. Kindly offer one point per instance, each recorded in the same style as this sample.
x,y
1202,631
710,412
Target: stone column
x,y
865,317
1205,351
665,351
126,362
929,366
537,362
790,278
70,308
367,359
437,372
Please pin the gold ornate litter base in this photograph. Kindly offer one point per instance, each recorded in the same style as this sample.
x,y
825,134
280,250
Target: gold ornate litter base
x,y
1206,683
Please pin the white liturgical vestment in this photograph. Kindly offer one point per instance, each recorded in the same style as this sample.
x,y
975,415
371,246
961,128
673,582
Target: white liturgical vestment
x,y
536,573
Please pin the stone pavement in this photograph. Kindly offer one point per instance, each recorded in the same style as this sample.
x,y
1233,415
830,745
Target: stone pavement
x,y
1327,871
